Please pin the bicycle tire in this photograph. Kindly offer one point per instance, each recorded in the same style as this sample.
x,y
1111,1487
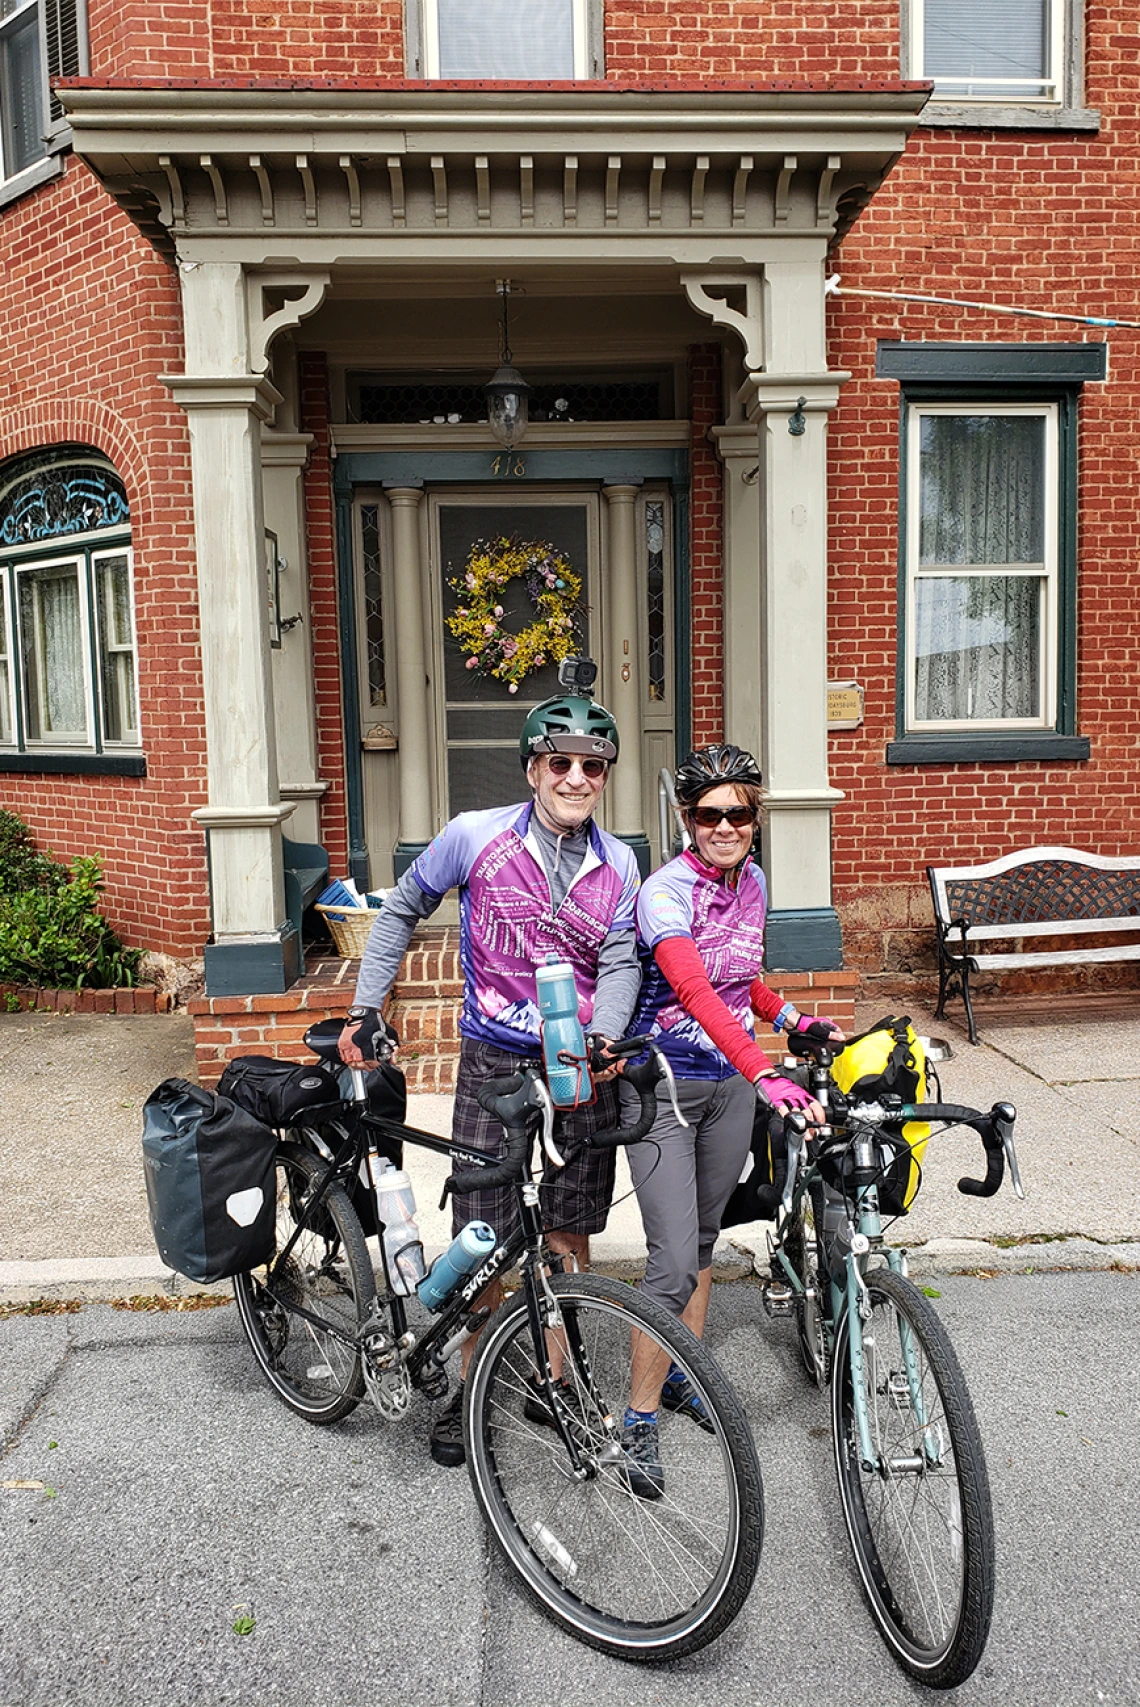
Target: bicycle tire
x,y
922,1532
591,1554
329,1275
803,1250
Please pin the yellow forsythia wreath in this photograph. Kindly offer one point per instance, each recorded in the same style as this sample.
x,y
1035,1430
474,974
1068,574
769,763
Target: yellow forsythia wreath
x,y
477,622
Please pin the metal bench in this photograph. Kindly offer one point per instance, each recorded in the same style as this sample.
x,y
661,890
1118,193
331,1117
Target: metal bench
x,y
1040,892
306,875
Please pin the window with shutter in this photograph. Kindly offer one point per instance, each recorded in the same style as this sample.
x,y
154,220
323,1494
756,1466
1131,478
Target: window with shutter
x,y
40,40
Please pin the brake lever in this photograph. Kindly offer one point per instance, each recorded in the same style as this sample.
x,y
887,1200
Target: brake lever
x,y
670,1084
546,1103
1004,1115
795,1126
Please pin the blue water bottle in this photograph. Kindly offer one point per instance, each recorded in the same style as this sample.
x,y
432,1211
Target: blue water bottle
x,y
561,1030
472,1245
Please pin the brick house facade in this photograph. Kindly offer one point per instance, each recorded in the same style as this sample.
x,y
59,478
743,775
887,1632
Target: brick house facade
x,y
259,233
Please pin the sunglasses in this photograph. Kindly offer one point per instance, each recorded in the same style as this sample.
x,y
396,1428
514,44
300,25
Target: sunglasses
x,y
560,765
708,817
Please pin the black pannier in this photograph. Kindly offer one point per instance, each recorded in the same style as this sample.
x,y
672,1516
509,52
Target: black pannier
x,y
758,1194
209,1182
279,1093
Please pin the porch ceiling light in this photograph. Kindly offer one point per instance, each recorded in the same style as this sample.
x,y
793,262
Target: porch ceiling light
x,y
507,392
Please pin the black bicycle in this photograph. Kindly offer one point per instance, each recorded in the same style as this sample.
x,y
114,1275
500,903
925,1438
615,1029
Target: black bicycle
x,y
643,1578
908,1451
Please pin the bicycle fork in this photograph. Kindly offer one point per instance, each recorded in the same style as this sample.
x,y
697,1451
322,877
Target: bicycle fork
x,y
903,1389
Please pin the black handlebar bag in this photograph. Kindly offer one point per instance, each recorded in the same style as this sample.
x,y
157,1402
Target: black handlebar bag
x,y
209,1182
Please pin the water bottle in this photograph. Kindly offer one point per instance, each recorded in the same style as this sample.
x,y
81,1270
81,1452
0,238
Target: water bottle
x,y
561,1030
396,1207
471,1246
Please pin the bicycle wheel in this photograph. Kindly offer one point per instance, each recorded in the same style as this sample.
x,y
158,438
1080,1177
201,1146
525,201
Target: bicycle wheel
x,y
645,1579
802,1249
919,1519
311,1358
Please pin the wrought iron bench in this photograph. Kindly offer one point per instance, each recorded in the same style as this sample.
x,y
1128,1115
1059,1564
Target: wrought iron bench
x,y
1040,892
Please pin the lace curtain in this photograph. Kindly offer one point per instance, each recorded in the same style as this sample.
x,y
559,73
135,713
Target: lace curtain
x,y
977,640
53,655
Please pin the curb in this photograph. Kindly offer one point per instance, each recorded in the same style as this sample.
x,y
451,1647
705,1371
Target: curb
x,y
98,1279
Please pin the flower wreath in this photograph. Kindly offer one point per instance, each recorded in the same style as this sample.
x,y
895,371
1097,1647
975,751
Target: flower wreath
x,y
554,589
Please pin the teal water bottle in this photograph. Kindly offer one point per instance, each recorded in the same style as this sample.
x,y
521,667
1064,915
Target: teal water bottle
x,y
472,1245
561,1030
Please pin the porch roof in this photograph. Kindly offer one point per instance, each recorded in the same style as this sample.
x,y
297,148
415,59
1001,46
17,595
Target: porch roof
x,y
344,174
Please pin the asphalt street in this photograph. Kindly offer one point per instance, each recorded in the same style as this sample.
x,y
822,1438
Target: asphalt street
x,y
180,1497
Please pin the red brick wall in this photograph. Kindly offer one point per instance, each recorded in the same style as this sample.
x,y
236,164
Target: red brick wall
x,y
706,546
323,613
90,319
1041,220
247,38
742,39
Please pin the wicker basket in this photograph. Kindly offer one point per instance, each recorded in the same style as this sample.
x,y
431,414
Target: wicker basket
x,y
350,926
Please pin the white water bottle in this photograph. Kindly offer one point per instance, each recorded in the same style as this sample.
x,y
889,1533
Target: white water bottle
x,y
396,1207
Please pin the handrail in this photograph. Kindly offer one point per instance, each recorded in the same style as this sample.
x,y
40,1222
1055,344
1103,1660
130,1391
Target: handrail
x,y
669,817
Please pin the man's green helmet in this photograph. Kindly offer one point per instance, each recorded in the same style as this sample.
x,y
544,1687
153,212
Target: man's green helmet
x,y
569,723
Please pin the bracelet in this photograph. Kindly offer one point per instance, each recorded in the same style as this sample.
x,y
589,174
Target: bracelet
x,y
781,1020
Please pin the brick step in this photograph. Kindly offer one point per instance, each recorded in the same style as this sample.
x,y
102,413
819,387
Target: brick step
x,y
424,1009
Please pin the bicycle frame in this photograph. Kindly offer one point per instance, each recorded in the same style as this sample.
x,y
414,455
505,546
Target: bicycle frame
x,y
424,1354
851,1297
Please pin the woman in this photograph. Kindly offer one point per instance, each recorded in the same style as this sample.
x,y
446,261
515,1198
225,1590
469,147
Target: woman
x,y
700,925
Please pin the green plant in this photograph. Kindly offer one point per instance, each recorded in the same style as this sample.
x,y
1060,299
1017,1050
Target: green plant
x,y
58,938
12,1003
22,866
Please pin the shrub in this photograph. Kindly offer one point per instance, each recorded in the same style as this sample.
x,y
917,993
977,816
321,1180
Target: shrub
x,y
58,938
22,866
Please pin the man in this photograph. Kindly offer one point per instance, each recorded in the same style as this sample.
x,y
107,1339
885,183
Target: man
x,y
533,880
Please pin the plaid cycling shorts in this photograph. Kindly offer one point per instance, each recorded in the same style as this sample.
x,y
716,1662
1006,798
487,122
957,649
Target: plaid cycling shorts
x,y
575,1198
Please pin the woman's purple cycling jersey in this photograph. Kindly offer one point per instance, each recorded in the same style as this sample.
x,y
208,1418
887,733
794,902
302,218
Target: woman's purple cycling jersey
x,y
507,926
727,925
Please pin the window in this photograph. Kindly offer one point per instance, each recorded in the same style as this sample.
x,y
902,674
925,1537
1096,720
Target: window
x,y
504,40
981,555
39,40
1012,62
987,546
67,643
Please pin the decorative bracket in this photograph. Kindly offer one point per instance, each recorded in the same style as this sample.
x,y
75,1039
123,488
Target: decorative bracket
x,y
709,292
263,326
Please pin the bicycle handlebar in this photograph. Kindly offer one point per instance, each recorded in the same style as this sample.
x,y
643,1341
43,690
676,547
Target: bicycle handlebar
x,y
995,1129
516,1098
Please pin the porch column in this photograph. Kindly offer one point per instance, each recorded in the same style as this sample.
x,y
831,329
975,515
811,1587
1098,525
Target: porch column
x,y
416,766
789,403
254,947
743,605
624,646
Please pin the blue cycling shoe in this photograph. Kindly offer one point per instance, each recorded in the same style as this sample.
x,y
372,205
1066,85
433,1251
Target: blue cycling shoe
x,y
679,1394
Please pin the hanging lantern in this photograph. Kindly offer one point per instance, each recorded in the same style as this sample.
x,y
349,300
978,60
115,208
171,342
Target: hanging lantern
x,y
507,392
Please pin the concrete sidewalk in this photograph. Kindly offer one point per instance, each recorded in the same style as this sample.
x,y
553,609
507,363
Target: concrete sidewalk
x,y
73,1219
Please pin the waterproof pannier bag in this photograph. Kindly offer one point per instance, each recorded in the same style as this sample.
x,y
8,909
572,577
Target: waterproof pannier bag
x,y
761,1186
209,1182
889,1060
279,1093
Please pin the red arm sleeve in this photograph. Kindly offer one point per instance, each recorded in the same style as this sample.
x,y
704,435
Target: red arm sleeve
x,y
766,1004
680,961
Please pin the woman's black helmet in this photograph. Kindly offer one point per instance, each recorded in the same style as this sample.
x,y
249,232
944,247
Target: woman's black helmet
x,y
709,767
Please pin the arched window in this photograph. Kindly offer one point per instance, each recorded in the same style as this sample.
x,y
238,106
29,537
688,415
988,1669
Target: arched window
x,y
67,642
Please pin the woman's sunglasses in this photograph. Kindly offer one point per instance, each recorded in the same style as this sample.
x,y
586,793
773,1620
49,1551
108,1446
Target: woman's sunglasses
x,y
708,817
560,765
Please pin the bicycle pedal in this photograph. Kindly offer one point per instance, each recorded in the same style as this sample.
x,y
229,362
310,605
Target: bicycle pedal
x,y
433,1383
779,1300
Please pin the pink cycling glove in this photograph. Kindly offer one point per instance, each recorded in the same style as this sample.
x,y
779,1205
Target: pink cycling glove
x,y
781,1092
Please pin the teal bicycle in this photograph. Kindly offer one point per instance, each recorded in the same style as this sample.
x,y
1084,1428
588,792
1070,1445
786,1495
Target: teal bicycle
x,y
908,1452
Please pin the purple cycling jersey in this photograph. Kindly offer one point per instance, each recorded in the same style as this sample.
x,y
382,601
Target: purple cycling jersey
x,y
684,898
507,925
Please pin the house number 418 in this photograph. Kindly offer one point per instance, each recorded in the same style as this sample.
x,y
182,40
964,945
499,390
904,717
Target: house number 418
x,y
509,464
